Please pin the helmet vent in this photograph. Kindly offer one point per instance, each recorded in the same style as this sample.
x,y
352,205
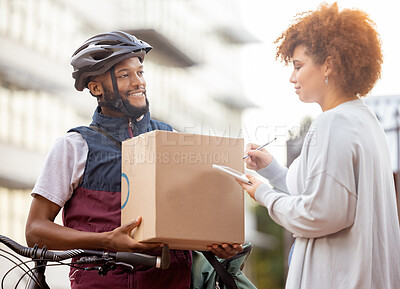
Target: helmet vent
x,y
102,55
81,48
106,42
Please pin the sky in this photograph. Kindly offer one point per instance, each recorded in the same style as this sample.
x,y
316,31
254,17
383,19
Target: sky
x,y
267,80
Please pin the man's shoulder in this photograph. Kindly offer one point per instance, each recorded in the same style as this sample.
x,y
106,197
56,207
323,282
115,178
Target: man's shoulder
x,y
69,144
79,129
157,124
71,137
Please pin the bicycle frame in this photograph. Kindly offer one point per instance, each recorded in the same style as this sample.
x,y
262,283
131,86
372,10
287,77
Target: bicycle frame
x,y
39,275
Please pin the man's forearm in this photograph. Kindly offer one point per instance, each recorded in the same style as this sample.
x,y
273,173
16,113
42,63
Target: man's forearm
x,y
57,237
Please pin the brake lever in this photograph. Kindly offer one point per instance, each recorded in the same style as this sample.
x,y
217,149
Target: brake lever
x,y
129,266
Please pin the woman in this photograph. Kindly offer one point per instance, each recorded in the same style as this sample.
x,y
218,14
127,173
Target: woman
x,y
338,197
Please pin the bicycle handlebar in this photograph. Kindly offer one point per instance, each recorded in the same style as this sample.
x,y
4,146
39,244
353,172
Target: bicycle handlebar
x,y
134,259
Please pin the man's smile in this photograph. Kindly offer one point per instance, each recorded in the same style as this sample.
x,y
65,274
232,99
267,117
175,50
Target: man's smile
x,y
137,95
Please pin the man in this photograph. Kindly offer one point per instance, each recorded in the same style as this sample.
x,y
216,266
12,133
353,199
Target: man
x,y
82,173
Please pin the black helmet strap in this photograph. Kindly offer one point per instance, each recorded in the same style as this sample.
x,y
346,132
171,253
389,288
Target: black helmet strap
x,y
117,103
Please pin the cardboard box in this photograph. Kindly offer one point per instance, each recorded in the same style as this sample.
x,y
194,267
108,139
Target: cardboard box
x,y
167,179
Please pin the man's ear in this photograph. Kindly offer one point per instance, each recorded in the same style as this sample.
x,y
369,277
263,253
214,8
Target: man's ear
x,y
96,88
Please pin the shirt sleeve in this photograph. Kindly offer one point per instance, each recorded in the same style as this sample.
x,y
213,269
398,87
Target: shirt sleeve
x,y
276,175
63,169
325,207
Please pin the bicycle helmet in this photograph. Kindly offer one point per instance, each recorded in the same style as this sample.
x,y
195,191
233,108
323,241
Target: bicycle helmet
x,y
101,52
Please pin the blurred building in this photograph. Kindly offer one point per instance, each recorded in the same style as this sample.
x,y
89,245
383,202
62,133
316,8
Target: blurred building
x,y
193,79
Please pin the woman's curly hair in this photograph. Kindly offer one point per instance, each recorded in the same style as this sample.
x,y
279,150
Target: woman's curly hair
x,y
348,36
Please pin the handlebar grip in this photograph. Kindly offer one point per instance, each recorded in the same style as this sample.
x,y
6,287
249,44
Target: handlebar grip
x,y
137,259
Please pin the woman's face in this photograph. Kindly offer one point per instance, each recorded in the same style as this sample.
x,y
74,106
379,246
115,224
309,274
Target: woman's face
x,y
308,78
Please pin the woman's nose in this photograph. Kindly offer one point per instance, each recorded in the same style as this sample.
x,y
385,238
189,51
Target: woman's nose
x,y
293,78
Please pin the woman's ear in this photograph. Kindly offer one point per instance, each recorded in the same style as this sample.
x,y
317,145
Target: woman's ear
x,y
96,88
327,66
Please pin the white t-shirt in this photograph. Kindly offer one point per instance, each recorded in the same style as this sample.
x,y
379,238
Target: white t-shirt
x,y
63,169
291,178
282,178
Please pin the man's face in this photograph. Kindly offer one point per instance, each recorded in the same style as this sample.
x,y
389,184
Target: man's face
x,y
130,80
131,86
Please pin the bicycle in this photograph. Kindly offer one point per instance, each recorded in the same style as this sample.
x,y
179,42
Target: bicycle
x,y
104,261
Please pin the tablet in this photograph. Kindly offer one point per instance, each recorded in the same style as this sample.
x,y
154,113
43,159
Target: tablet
x,y
232,172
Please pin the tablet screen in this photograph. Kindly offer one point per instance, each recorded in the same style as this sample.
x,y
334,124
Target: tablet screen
x,y
232,172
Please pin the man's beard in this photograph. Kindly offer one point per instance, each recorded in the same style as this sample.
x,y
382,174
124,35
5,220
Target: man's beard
x,y
133,112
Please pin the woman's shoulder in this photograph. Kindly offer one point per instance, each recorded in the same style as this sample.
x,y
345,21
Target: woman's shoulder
x,y
349,117
338,130
333,136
